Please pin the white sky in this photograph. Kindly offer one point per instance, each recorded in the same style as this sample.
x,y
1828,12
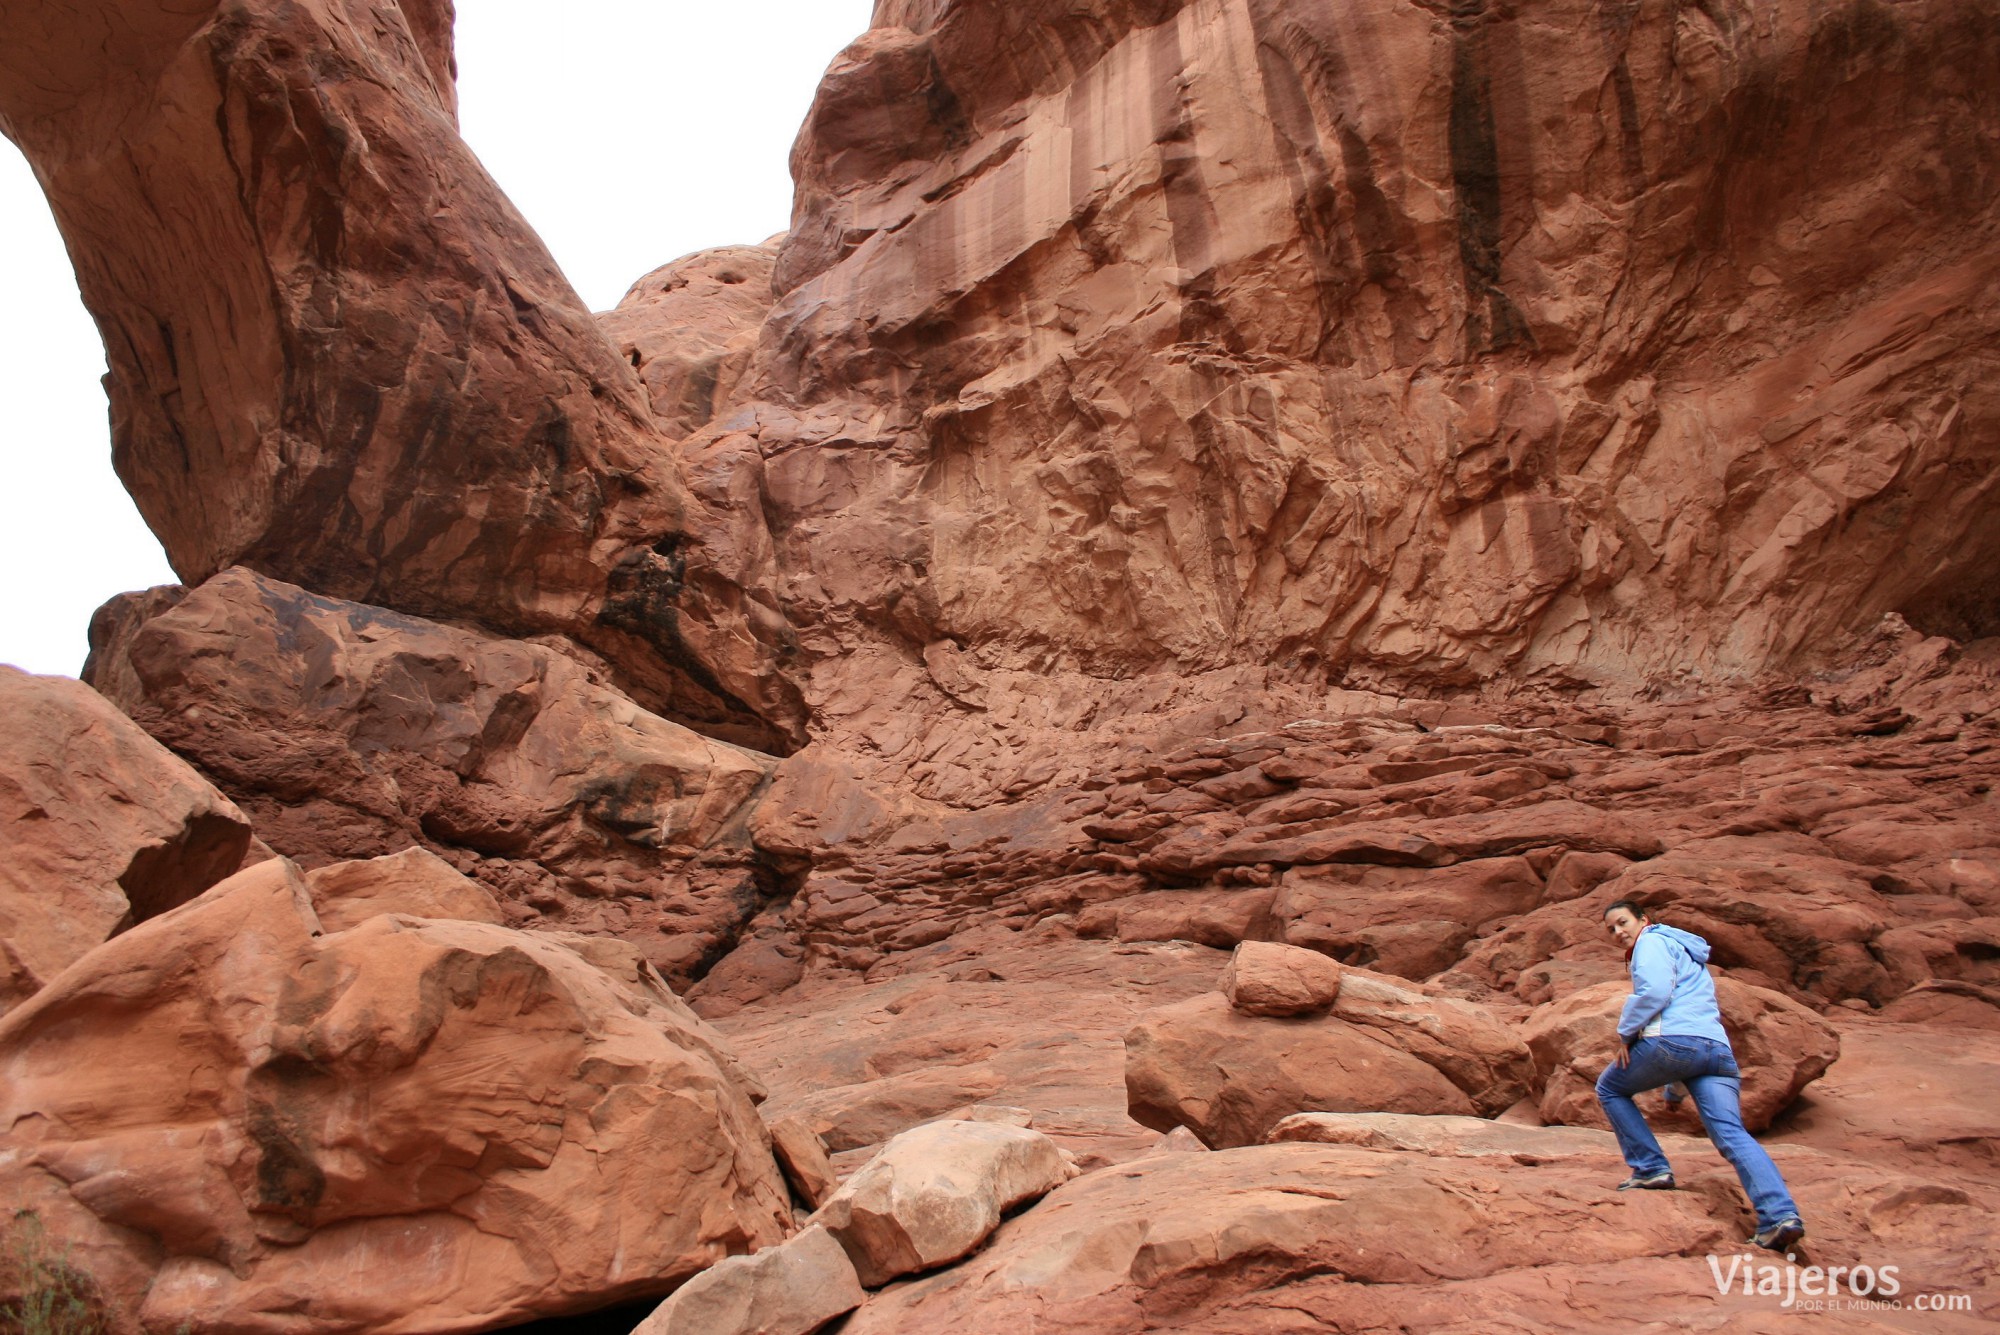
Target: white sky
x,y
633,132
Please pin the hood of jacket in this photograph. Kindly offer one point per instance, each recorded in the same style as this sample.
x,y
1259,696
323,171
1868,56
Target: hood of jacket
x,y
1695,946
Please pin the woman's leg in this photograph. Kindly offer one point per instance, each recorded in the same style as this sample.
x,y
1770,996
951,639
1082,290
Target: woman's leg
x,y
1652,1064
1719,1097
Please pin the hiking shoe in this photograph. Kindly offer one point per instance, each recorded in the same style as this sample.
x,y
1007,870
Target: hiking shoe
x,y
1780,1235
1660,1181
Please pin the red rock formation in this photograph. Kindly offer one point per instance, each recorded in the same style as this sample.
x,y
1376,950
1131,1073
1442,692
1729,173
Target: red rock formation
x,y
351,732
1275,1239
100,827
230,1118
1375,479
1526,341
337,353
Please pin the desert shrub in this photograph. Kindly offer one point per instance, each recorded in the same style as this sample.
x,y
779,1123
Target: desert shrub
x,y
41,1293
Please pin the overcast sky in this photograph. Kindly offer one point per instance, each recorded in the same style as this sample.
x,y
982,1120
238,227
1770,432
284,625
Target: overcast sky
x,y
632,132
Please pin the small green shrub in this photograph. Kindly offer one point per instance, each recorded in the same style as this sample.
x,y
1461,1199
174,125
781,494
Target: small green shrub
x,y
41,1293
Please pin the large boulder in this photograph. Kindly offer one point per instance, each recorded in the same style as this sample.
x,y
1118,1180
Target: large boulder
x,y
934,1193
793,1288
415,882
1780,1046
1230,1077
1469,1045
349,732
103,827
1270,978
232,1121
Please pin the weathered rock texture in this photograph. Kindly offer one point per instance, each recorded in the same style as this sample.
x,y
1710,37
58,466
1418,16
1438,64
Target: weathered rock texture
x,y
1231,1076
339,355
351,732
1145,333
100,827
1268,978
1382,479
793,1288
227,1117
934,1193
1279,1239
414,883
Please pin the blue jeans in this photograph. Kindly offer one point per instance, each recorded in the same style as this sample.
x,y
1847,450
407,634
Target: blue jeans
x,y
1708,1068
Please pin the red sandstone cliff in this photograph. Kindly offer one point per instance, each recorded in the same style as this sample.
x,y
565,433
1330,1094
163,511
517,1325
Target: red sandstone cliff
x,y
1375,478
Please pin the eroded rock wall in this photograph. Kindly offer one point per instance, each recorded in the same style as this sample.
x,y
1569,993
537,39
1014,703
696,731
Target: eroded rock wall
x,y
1584,343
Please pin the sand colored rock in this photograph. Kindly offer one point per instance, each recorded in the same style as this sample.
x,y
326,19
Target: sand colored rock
x,y
802,1156
934,1193
1781,1047
689,329
1267,978
100,827
792,1288
350,732
1267,1239
1230,1078
223,1112
414,883
1443,1137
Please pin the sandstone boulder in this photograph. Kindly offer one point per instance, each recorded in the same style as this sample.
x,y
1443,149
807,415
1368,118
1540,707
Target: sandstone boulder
x,y
792,1288
350,732
1781,1047
100,827
802,1156
1268,978
415,883
934,1193
1230,1077
1466,1043
232,1120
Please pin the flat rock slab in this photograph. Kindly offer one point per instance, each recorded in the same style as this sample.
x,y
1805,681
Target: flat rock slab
x,y
1245,1241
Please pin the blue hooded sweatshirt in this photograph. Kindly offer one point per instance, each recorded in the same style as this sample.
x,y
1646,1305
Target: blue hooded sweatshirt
x,y
1671,991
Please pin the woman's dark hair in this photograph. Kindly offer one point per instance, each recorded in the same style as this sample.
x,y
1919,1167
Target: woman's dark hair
x,y
1625,904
